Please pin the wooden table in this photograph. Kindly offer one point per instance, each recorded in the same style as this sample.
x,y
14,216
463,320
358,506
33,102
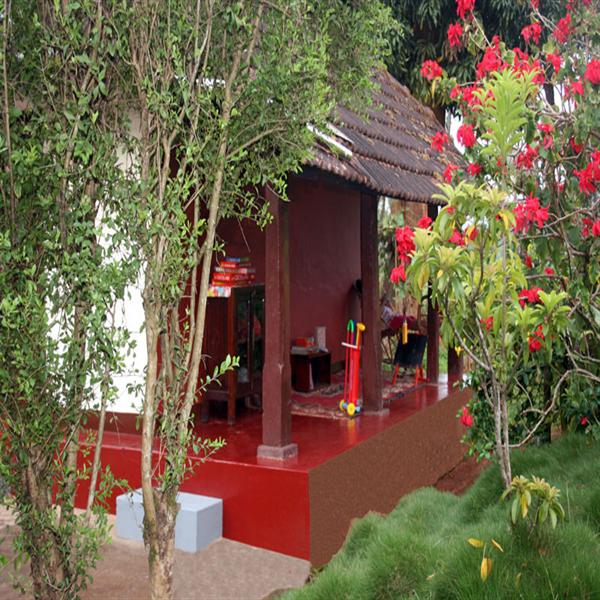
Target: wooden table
x,y
316,363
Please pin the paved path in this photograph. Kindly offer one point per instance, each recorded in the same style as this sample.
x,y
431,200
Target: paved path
x,y
225,570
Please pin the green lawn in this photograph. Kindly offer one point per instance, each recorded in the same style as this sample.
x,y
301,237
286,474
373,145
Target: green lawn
x,y
420,550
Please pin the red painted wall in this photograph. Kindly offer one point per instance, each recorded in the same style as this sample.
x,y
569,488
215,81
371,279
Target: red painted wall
x,y
324,259
324,229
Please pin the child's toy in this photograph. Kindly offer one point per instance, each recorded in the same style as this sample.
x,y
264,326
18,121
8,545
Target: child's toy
x,y
350,402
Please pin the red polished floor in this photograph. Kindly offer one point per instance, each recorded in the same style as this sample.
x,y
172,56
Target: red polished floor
x,y
266,505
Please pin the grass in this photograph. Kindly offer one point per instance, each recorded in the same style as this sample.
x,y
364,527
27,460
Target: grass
x,y
420,550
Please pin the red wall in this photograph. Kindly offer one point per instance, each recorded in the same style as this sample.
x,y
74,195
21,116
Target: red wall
x,y
324,260
324,230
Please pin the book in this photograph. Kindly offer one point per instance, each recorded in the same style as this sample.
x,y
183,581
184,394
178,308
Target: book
x,y
231,277
235,270
219,291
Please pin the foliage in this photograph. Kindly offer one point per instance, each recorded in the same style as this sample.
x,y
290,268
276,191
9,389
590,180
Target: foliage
x,y
230,96
420,549
59,278
530,175
537,494
422,34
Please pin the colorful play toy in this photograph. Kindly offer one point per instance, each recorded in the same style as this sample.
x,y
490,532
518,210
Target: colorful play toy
x,y
350,403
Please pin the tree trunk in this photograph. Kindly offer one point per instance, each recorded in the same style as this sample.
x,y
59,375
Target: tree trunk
x,y
161,555
501,435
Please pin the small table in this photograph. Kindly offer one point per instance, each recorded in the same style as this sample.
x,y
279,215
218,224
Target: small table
x,y
317,364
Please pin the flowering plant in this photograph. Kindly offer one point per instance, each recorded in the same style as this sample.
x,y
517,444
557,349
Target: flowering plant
x,y
513,257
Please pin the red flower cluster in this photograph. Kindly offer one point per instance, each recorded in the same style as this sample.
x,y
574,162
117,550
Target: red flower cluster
x,y
466,418
549,271
592,72
535,4
577,148
456,238
530,296
590,176
584,421
431,70
491,59
590,227
526,157
523,64
466,136
455,31
555,60
424,222
529,211
573,88
532,32
463,7
474,169
563,29
438,140
405,246
528,261
546,129
449,171
536,339
488,323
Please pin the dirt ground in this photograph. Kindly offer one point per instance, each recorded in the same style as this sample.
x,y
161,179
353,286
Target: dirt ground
x,y
225,570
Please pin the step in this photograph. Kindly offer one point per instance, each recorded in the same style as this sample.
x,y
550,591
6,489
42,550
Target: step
x,y
199,520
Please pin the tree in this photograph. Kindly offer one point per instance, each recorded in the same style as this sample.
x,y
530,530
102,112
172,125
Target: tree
x,y
225,92
59,277
515,256
423,34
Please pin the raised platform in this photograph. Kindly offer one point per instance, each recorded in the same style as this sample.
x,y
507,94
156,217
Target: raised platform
x,y
344,469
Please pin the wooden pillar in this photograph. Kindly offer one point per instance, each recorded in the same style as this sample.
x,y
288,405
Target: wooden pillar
x,y
433,326
371,311
455,364
276,389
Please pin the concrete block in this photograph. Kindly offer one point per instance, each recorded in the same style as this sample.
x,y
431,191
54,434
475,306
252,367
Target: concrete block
x,y
199,520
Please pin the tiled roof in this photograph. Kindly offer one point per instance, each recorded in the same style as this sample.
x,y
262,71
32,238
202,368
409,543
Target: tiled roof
x,y
390,148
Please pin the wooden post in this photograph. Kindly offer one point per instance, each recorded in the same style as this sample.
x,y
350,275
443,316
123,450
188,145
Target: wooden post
x,y
433,326
371,312
276,389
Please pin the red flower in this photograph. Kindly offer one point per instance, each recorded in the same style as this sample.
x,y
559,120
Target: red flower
x,y
430,69
549,271
450,210
455,31
474,169
466,136
438,140
535,4
584,421
574,87
531,296
577,148
536,339
587,226
529,212
456,92
532,32
596,228
491,62
555,60
463,7
588,177
525,159
489,323
563,29
592,71
424,222
448,172
398,273
466,418
528,262
457,238
404,243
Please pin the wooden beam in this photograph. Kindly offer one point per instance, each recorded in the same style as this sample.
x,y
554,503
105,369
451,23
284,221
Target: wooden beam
x,y
433,326
276,389
371,310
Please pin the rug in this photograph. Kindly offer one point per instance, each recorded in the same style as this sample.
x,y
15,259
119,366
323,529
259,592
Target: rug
x,y
324,402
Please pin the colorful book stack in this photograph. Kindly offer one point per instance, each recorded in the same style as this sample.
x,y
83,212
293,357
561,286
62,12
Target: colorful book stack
x,y
231,272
